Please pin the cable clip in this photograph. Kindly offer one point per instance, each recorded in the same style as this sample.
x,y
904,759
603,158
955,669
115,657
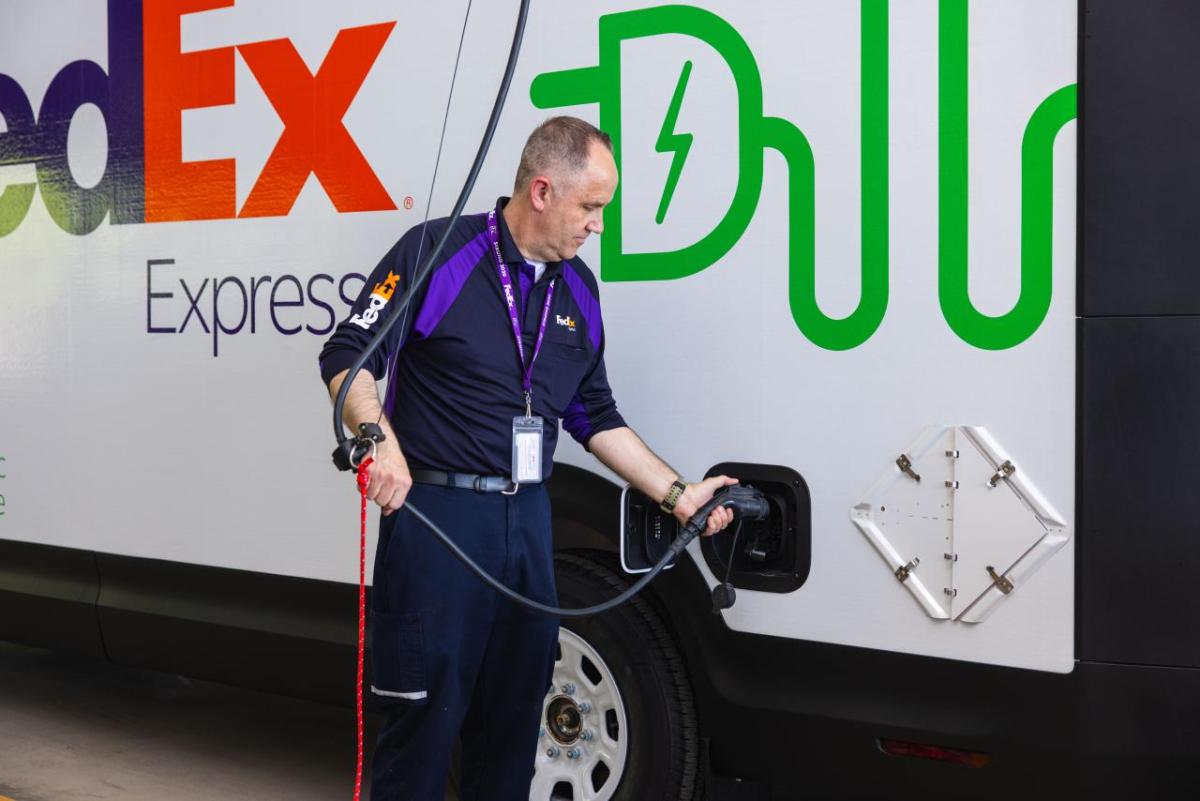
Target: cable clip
x,y
351,451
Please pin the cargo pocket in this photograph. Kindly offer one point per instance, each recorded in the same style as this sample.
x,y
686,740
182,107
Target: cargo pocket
x,y
397,659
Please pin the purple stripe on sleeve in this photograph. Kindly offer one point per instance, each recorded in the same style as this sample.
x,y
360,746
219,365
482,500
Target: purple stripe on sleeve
x,y
588,305
575,420
446,283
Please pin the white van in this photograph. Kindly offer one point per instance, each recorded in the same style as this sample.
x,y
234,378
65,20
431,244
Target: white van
x,y
958,334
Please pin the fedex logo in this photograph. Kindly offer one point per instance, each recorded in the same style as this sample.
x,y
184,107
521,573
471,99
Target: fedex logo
x,y
150,83
380,296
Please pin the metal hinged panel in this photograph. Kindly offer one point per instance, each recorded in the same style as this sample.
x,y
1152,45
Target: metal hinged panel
x,y
959,522
908,517
1003,523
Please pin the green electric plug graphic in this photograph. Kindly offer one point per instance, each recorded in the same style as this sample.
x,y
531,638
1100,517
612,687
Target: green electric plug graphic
x,y
757,133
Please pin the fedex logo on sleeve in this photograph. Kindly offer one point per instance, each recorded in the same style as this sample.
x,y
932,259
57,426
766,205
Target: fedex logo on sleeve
x,y
150,83
380,296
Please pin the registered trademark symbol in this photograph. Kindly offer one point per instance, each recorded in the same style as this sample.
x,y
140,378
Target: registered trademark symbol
x,y
408,202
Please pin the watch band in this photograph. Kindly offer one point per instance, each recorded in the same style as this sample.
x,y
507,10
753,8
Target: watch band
x,y
668,503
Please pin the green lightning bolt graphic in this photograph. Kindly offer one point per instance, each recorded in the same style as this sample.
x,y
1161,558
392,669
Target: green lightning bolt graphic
x,y
669,141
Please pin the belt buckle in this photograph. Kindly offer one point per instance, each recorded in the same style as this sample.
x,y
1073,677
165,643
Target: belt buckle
x,y
514,485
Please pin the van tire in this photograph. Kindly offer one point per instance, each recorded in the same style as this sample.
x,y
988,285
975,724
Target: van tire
x,y
662,759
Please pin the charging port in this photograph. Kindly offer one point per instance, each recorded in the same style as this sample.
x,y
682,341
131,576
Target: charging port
x,y
773,555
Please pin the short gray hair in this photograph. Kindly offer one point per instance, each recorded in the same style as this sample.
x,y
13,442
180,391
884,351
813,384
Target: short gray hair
x,y
561,142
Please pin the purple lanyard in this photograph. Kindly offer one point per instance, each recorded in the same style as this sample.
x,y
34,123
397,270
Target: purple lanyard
x,y
507,285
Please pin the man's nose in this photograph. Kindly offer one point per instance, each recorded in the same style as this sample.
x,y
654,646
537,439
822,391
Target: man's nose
x,y
596,225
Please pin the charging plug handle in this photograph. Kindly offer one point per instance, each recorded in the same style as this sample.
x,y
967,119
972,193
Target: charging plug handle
x,y
746,503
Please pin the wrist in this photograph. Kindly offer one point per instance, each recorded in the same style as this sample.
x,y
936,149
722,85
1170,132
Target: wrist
x,y
389,447
687,504
674,493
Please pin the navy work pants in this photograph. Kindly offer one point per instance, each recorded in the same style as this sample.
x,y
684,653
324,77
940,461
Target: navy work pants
x,y
449,655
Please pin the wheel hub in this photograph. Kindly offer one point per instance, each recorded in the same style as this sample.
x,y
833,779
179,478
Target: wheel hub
x,y
564,721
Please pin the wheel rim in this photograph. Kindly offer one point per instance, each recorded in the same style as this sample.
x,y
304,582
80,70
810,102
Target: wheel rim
x,y
584,739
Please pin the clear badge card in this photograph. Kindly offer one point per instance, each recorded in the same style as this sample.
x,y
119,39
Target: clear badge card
x,y
527,450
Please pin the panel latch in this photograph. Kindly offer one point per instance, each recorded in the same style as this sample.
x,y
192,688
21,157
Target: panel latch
x,y
903,571
1002,583
1004,471
905,465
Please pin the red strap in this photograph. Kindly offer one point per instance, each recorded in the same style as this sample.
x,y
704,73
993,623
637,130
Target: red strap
x,y
364,478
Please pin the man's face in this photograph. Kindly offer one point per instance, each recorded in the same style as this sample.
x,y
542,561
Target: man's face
x,y
575,204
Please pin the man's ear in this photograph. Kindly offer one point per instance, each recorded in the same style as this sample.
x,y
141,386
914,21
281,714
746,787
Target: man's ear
x,y
539,192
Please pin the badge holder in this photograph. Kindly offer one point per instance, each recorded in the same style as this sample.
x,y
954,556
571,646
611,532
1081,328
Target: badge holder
x,y
526,450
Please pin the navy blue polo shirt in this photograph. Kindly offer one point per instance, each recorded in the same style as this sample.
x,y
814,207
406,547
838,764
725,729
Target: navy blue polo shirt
x,y
454,374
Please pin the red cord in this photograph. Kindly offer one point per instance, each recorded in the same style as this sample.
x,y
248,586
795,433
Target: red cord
x,y
364,479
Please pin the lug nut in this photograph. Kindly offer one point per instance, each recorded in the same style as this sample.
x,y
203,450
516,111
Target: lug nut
x,y
553,751
587,734
568,688
574,753
585,707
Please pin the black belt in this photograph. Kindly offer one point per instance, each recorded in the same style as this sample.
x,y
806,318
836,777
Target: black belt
x,y
469,481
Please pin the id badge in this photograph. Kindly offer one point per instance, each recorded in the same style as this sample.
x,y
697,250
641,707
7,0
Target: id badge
x,y
527,450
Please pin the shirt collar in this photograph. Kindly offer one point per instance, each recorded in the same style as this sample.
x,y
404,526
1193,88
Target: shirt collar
x,y
509,249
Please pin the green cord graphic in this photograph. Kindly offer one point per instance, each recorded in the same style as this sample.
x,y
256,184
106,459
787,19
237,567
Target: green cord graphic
x,y
781,135
601,84
1037,198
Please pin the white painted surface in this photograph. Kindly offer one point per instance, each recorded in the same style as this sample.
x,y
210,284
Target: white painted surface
x,y
122,441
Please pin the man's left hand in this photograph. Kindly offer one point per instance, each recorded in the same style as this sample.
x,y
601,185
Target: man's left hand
x,y
696,495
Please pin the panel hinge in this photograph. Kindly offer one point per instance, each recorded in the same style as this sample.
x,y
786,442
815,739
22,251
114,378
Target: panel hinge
x,y
1002,583
952,485
950,557
1004,471
952,454
905,464
952,592
903,571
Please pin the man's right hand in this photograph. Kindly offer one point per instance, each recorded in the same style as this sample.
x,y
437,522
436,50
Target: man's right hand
x,y
389,479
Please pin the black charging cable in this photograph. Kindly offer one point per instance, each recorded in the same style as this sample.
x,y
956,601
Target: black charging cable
x,y
742,501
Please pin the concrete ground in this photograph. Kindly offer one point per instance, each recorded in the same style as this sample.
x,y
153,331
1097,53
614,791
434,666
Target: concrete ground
x,y
74,728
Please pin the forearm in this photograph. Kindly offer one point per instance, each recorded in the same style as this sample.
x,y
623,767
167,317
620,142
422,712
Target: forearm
x,y
362,405
389,479
623,451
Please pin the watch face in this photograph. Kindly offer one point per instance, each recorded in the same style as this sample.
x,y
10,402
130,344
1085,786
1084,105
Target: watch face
x,y
673,494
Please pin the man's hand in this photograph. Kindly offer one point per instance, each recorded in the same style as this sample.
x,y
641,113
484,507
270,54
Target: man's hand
x,y
389,479
696,495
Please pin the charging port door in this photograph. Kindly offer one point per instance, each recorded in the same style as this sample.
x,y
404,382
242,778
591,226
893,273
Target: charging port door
x,y
772,555
646,532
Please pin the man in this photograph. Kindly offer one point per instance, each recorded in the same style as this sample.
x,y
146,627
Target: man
x,y
448,654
